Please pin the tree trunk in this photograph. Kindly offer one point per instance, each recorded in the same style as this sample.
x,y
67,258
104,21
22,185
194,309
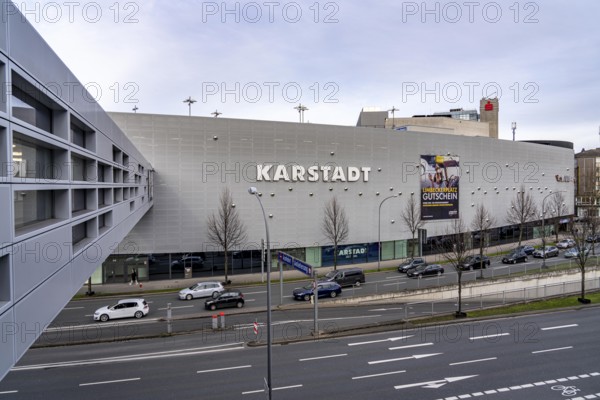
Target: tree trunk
x,y
459,275
583,283
335,252
226,268
520,234
412,245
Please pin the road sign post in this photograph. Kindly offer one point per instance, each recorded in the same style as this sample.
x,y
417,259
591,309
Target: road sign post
x,y
306,269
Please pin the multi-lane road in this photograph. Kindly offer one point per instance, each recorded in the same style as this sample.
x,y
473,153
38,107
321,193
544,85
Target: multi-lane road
x,y
550,356
75,324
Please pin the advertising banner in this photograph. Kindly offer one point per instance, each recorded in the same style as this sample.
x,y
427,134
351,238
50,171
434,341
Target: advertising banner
x,y
439,187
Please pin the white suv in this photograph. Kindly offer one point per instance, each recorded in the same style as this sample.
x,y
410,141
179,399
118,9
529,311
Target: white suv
x,y
201,289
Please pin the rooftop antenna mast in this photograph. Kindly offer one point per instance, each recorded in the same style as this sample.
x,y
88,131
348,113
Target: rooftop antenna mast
x,y
189,101
393,110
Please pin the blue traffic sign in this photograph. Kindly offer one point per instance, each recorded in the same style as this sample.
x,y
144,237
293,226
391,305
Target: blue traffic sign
x,y
297,264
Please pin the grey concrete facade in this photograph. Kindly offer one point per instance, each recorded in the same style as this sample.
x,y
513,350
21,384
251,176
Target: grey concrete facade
x,y
196,157
72,185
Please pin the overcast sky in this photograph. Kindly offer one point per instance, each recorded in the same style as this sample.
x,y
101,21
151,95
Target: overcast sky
x,y
259,60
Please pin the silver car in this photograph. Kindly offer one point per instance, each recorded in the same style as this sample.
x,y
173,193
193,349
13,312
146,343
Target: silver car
x,y
201,289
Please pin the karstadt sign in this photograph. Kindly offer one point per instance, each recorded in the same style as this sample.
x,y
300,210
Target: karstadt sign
x,y
315,173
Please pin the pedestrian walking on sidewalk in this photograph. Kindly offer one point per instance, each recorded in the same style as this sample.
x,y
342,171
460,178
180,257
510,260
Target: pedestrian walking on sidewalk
x,y
134,280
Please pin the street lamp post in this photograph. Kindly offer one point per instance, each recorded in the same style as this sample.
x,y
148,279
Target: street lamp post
x,y
253,191
379,230
544,228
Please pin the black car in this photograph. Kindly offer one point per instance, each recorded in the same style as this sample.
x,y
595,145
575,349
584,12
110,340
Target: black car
x,y
527,249
514,257
425,270
593,238
410,264
475,262
229,298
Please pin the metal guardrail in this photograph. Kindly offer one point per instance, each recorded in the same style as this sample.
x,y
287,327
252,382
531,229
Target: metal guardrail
x,y
504,297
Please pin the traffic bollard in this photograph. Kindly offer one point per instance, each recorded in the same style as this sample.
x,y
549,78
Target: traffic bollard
x,y
215,325
222,318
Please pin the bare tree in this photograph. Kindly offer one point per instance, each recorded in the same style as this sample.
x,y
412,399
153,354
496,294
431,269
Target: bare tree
x,y
482,222
593,227
454,251
335,225
522,210
411,216
226,229
580,232
559,209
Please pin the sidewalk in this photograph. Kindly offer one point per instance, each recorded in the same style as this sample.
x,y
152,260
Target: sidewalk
x,y
256,278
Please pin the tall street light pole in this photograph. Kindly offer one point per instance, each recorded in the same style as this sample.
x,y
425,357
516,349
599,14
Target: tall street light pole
x,y
379,230
544,228
253,191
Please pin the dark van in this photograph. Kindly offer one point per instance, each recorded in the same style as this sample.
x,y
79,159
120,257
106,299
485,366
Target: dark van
x,y
346,277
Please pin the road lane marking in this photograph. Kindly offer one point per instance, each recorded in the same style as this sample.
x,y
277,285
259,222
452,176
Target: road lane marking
x,y
247,293
223,369
110,324
249,300
474,361
394,284
381,341
525,386
277,388
320,358
411,345
559,327
415,357
376,375
555,349
489,336
73,308
173,308
136,357
435,384
108,382
386,309
10,392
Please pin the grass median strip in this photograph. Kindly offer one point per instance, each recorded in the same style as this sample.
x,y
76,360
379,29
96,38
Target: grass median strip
x,y
538,305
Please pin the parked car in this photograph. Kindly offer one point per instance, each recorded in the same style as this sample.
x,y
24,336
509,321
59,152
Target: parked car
x,y
201,289
573,252
527,249
188,261
475,262
565,244
326,289
426,270
346,277
593,238
411,263
126,308
229,298
514,257
548,251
